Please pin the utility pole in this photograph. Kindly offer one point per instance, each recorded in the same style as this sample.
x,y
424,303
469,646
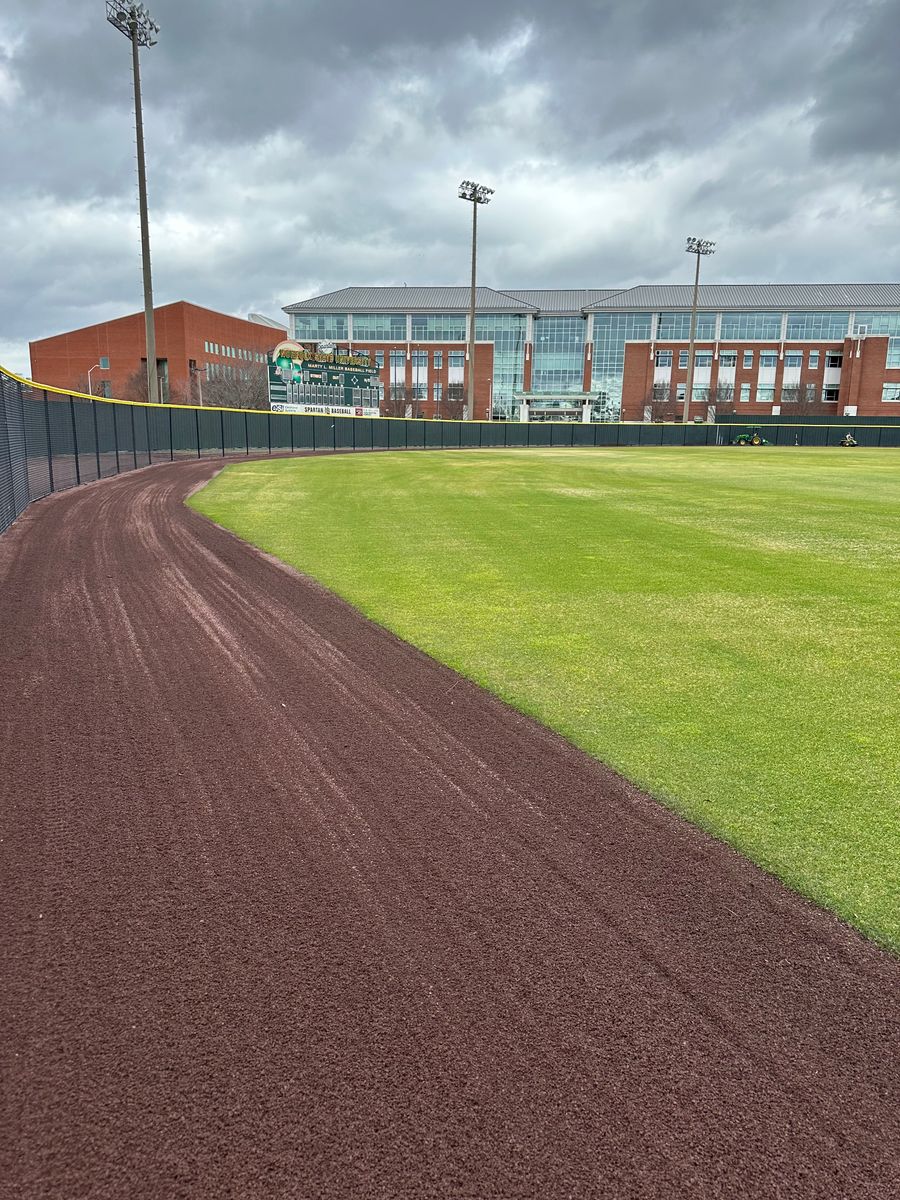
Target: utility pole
x,y
135,22
698,247
477,194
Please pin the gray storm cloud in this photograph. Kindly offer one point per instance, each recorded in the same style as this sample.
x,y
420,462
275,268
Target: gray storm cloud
x,y
303,146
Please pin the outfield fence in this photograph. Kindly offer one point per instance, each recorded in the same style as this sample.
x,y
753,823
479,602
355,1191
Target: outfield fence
x,y
51,440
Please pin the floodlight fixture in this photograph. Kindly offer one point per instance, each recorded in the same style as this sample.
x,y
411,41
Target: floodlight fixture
x,y
477,194
135,22
700,247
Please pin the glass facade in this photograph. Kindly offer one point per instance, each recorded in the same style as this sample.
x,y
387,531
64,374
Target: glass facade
x,y
611,332
508,335
379,327
879,323
316,327
558,355
438,327
817,326
676,327
751,326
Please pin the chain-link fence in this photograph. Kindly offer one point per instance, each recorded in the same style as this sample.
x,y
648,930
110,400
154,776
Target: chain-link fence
x,y
50,440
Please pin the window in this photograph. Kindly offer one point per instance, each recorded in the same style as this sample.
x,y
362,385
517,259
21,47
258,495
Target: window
x,y
830,395
439,327
682,360
456,360
728,358
438,360
793,360
379,359
748,360
104,363
398,367
664,358
380,327
680,389
768,359
676,327
703,358
437,390
750,326
811,326
765,395
833,359
105,389
745,393
321,327
890,393
893,352
814,360
420,374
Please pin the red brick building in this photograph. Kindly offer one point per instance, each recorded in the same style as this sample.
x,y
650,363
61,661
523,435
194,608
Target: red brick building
x,y
193,344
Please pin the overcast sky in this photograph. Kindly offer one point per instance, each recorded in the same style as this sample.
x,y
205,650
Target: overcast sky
x,y
299,146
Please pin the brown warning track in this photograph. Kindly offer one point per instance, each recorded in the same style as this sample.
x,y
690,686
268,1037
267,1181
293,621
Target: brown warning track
x,y
291,911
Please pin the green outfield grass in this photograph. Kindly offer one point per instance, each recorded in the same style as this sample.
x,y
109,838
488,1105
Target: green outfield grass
x,y
721,625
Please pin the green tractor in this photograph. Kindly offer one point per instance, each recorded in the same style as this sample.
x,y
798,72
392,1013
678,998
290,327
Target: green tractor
x,y
751,437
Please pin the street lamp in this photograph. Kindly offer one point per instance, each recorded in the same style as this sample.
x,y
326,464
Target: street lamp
x,y
477,193
699,247
139,27
95,367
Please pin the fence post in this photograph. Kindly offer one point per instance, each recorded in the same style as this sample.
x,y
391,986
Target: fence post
x,y
269,423
149,439
197,420
247,431
353,431
222,429
291,423
74,440
96,438
49,446
133,438
171,438
334,433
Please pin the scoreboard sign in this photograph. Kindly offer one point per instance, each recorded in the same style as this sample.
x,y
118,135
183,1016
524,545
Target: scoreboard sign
x,y
321,379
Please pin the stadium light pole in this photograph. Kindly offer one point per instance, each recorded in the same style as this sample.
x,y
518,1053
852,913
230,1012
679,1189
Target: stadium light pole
x,y
477,194
139,27
700,248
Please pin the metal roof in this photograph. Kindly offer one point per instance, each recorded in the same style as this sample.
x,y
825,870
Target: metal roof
x,y
561,300
644,298
410,299
754,296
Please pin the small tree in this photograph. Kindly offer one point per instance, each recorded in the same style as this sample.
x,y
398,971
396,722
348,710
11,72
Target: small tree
x,y
249,389
662,402
453,406
802,400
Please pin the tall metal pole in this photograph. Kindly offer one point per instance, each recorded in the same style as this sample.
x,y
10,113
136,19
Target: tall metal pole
x,y
152,376
470,404
477,193
698,247
688,391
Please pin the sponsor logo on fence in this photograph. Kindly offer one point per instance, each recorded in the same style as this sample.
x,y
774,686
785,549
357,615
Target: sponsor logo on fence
x,y
323,410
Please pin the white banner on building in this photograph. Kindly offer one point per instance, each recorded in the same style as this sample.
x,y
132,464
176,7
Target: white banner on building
x,y
323,410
